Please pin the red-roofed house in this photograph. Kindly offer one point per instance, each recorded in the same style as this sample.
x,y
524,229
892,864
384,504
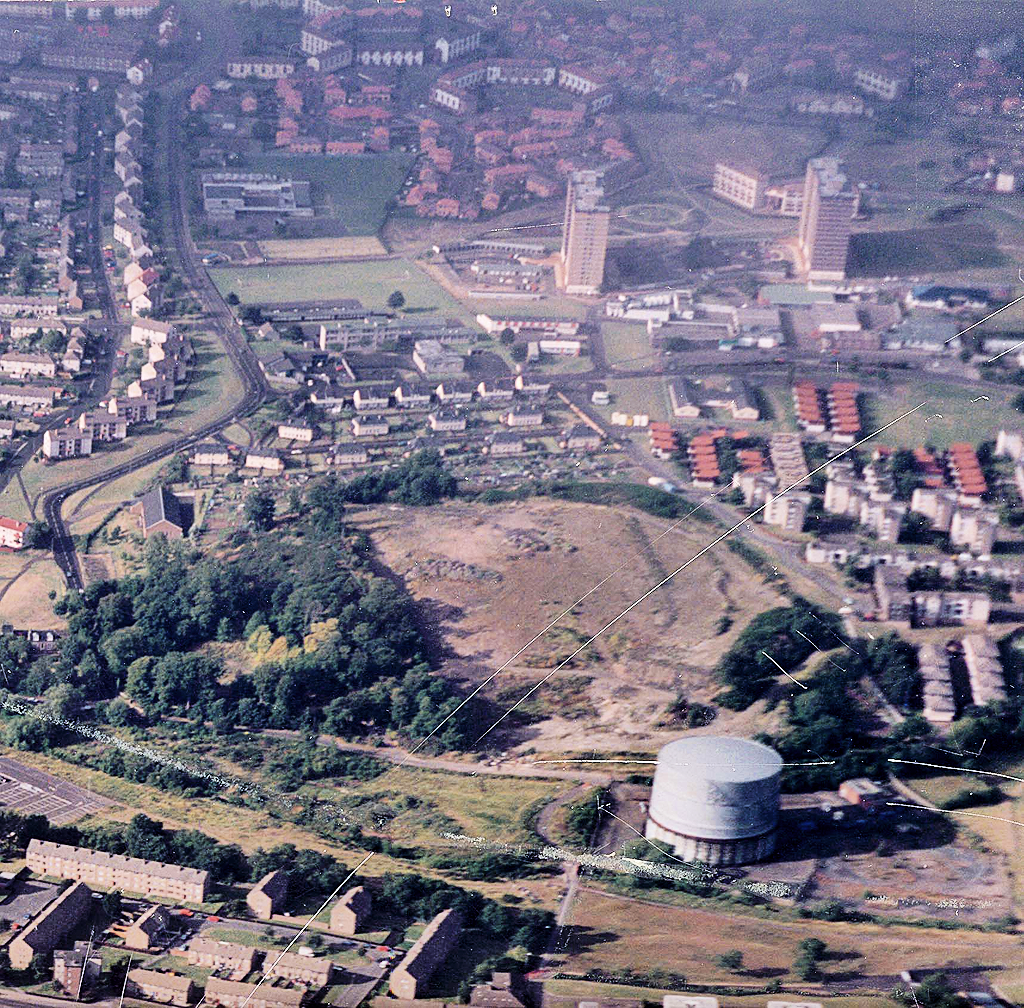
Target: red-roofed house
x,y
200,97
12,533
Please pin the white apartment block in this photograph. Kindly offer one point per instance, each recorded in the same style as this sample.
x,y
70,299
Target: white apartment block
x,y
579,80
272,463
27,365
454,45
884,519
66,442
1010,444
738,184
935,504
974,528
787,511
880,81
12,533
145,331
122,8
844,496
262,67
785,199
103,426
456,99
294,432
139,409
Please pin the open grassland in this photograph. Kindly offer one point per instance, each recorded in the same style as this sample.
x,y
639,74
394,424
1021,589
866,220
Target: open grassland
x,y
780,149
84,509
945,248
638,395
627,345
369,282
254,828
353,190
959,419
532,560
26,580
484,806
615,933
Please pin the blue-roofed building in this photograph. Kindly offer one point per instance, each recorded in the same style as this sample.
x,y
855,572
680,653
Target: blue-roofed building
x,y
948,298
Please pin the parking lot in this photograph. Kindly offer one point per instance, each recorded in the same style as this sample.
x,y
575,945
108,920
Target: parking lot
x,y
35,792
27,898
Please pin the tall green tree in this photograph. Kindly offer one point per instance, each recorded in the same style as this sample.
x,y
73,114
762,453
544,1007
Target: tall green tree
x,y
259,510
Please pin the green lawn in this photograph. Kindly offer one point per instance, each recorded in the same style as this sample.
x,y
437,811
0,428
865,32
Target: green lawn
x,y
959,419
627,345
370,282
574,989
637,395
353,190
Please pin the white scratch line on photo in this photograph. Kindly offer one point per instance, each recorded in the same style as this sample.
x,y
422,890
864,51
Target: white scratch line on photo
x,y
732,763
782,670
975,815
985,319
939,766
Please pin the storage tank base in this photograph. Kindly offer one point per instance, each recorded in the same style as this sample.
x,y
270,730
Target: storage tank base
x,y
713,852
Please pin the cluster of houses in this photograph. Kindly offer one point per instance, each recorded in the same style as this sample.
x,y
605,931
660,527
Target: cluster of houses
x,y
129,226
169,355
289,979
236,975
688,399
896,603
950,498
451,410
517,154
839,415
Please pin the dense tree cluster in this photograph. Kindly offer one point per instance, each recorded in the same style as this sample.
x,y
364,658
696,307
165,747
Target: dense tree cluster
x,y
418,480
583,818
788,635
336,647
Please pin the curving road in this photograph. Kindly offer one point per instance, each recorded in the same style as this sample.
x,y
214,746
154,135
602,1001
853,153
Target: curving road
x,y
180,255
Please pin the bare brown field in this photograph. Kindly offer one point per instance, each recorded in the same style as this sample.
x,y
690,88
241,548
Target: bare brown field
x,y
617,933
489,578
323,248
